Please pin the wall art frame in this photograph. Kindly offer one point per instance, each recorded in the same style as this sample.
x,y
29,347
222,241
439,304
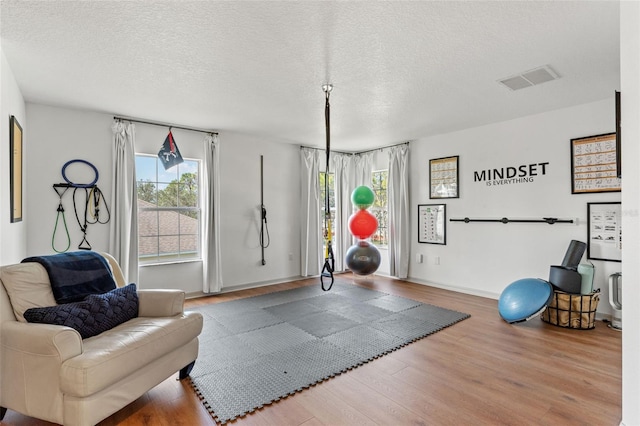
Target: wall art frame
x,y
594,164
444,178
432,223
618,135
15,169
604,231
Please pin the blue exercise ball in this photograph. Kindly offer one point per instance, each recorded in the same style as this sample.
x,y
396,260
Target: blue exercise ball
x,y
363,258
524,298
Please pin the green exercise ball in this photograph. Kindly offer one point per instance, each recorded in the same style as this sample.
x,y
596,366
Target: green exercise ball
x,y
362,197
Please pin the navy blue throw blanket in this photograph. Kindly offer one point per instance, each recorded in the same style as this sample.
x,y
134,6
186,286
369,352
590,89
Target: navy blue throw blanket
x,y
75,275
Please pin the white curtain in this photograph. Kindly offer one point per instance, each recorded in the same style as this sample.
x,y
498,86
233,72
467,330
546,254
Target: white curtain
x,y
342,168
363,165
399,213
211,255
310,247
123,236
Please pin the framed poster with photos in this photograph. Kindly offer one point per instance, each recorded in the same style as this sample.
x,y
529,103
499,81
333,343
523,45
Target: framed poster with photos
x,y
594,166
444,177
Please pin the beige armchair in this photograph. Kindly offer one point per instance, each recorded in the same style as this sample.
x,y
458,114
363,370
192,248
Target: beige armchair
x,y
49,372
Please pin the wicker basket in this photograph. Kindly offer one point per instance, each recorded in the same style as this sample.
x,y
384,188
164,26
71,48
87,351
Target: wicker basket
x,y
572,310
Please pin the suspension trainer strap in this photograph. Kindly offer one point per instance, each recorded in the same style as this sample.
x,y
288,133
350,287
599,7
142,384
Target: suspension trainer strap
x,y
328,268
264,242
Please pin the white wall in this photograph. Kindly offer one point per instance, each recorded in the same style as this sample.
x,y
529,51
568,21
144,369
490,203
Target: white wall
x,y
630,99
12,235
483,258
13,242
58,135
240,216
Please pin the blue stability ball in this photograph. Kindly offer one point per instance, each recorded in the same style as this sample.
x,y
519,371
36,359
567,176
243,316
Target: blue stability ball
x,y
523,299
363,258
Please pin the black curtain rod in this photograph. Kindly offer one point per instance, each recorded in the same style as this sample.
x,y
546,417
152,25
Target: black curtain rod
x,y
355,153
549,220
324,149
172,126
381,148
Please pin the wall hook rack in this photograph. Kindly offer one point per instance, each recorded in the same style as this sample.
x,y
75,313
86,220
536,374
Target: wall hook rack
x,y
71,185
548,220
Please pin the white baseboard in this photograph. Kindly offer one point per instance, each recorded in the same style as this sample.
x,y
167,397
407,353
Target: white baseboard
x,y
465,290
246,286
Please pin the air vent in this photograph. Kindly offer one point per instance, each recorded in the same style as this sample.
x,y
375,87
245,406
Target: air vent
x,y
530,78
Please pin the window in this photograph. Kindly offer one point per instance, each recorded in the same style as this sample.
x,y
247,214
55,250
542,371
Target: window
x,y
379,208
168,210
332,208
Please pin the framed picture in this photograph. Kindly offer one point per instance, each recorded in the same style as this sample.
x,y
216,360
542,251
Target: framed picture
x,y
604,231
618,136
594,164
15,169
432,220
443,178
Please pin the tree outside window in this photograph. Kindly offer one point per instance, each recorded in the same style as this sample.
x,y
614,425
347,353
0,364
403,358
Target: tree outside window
x,y
379,209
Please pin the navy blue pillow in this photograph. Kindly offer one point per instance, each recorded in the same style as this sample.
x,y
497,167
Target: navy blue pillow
x,y
93,315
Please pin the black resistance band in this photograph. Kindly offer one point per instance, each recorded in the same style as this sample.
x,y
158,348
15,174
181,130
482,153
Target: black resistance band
x,y
93,197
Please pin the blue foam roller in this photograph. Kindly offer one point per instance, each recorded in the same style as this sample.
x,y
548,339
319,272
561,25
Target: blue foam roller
x,y
524,298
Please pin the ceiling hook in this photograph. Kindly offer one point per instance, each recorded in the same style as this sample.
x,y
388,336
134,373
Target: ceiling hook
x,y
327,90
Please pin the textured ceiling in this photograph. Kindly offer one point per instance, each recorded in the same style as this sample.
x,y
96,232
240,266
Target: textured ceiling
x,y
400,70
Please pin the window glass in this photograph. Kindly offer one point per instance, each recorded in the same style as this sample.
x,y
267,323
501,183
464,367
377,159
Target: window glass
x,y
379,209
168,210
145,168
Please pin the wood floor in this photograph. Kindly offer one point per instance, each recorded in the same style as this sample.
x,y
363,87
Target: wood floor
x,y
480,371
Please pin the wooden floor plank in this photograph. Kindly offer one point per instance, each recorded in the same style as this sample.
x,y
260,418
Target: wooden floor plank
x,y
479,371
425,403
385,411
329,409
289,413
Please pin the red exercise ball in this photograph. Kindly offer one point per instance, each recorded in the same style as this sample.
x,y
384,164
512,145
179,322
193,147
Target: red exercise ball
x,y
363,224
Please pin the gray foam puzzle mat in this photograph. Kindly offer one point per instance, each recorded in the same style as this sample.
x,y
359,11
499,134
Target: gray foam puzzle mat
x,y
258,350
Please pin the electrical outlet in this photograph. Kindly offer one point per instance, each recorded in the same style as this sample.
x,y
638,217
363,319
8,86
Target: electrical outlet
x,y
419,258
